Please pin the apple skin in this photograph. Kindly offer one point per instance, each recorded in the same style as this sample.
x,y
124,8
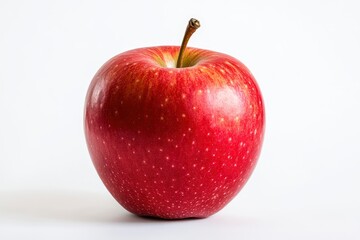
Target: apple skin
x,y
174,142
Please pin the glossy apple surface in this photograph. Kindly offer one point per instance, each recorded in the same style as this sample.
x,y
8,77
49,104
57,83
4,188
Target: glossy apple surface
x,y
174,142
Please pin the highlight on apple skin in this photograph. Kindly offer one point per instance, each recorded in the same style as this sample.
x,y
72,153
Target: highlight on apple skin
x,y
174,142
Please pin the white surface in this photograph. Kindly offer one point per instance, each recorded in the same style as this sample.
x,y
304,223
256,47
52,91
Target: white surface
x,y
305,57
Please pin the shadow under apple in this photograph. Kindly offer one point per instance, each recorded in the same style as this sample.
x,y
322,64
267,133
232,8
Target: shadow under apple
x,y
73,206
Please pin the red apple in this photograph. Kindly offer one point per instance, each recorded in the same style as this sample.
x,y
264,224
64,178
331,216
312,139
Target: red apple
x,y
174,142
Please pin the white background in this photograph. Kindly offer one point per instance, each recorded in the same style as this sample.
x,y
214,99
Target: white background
x,y
305,56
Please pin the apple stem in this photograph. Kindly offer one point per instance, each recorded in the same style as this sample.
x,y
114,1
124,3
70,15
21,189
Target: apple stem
x,y
190,29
